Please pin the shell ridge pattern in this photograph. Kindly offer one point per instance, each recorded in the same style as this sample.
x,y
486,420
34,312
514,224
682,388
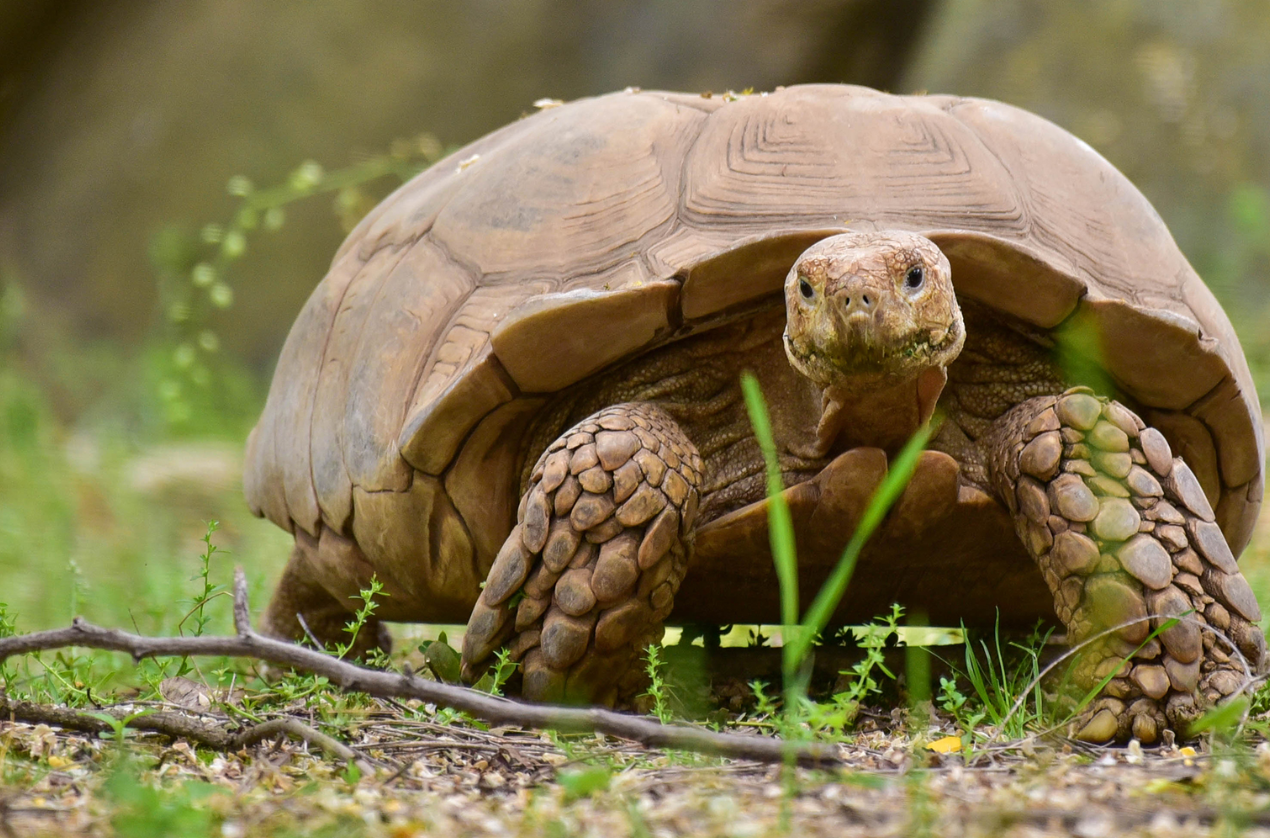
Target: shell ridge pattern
x,y
1049,244
379,406
940,167
1021,217
571,195
439,182
465,340
429,356
334,372
312,406
675,223
1097,254
437,296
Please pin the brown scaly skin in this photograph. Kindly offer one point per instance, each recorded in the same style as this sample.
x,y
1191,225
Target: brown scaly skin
x,y
871,325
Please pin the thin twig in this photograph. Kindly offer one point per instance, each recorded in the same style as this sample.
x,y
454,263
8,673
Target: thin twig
x,y
308,632
297,729
495,710
178,725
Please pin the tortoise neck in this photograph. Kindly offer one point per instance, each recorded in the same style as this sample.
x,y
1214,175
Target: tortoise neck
x,y
877,413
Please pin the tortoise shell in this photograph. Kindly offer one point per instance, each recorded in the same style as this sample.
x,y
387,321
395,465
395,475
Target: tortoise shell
x,y
591,232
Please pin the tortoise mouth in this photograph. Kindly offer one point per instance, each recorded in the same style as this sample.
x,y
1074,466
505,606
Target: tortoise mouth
x,y
858,358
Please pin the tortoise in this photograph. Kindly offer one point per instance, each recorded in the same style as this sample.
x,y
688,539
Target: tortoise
x,y
514,398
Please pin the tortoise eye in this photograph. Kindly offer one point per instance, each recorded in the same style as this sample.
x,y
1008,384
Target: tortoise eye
x,y
804,288
914,278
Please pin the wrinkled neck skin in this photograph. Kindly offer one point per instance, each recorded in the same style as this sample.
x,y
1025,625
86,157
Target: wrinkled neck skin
x,y
875,411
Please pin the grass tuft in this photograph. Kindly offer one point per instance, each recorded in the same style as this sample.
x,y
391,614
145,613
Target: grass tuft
x,y
799,635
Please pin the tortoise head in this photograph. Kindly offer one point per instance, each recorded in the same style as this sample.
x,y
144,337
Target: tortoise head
x,y
869,310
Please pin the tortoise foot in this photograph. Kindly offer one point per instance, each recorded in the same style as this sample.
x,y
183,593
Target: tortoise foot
x,y
589,574
1127,542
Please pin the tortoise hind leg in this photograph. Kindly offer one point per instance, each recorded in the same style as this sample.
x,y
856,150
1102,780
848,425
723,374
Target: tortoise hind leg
x,y
1122,531
588,575
300,597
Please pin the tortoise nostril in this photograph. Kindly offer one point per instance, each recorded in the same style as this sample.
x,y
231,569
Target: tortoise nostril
x,y
865,300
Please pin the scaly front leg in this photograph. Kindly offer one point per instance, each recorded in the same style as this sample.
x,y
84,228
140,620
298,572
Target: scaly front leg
x,y
599,549
1121,530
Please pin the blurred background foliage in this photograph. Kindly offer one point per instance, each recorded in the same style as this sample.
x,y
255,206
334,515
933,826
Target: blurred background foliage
x,y
176,176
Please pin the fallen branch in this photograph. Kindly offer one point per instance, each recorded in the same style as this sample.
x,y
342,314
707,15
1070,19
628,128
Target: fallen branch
x,y
350,677
179,725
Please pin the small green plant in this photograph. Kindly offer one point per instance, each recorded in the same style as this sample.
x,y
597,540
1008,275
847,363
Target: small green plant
x,y
658,690
873,639
119,725
954,702
8,628
367,596
998,681
504,667
442,659
198,610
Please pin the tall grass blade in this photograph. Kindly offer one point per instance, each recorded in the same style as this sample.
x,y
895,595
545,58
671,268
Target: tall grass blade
x,y
800,636
780,524
884,497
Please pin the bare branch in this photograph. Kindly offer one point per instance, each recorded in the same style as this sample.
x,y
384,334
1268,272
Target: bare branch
x,y
495,710
179,725
297,729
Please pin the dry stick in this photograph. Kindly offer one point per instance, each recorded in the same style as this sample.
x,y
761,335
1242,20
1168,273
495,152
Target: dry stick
x,y
493,709
179,725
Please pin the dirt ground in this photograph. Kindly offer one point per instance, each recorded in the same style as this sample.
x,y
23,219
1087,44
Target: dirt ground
x,y
430,772
427,777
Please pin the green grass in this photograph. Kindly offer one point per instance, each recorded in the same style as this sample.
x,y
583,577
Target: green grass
x,y
800,633
96,523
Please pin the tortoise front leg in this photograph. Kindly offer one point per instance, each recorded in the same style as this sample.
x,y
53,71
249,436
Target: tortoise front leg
x,y
1121,530
588,575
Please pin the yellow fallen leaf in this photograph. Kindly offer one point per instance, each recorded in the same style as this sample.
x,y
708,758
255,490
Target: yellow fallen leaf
x,y
1161,785
60,762
946,745
1186,751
